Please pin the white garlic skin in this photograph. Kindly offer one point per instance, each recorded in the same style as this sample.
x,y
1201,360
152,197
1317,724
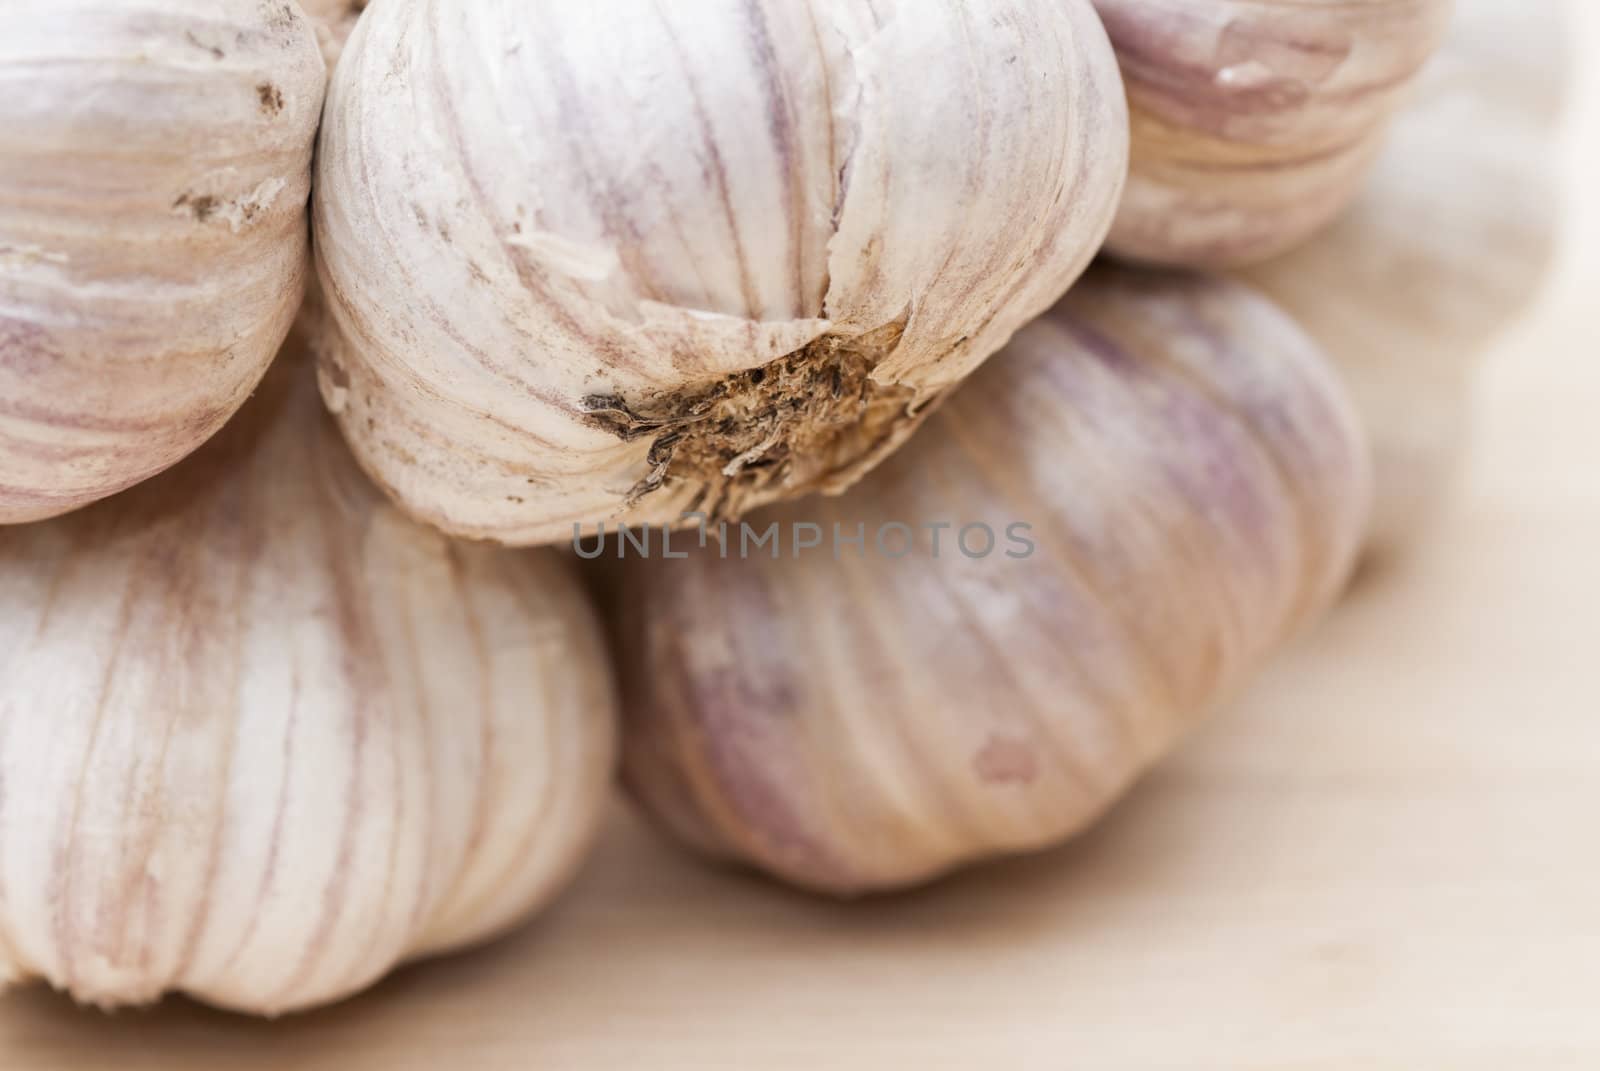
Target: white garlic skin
x,y
1449,242
262,738
533,220
1196,485
155,167
1255,123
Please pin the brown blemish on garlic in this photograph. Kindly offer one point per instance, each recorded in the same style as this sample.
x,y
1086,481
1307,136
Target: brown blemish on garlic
x,y
790,426
271,98
279,16
237,212
201,207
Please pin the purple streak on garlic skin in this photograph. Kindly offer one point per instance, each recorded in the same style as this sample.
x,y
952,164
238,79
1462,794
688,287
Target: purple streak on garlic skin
x,y
714,686
1196,487
1255,123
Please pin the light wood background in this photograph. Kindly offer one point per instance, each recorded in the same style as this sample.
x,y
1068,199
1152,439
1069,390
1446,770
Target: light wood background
x,y
1386,857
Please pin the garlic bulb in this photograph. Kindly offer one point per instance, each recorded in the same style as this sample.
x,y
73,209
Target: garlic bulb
x,y
1450,241
620,258
1254,123
1171,480
263,738
155,162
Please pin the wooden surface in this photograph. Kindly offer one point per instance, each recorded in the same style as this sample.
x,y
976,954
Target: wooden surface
x,y
1387,856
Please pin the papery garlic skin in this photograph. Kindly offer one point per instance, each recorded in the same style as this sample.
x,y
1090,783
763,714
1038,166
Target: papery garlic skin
x,y
155,168
1450,241
1196,485
1255,122
618,259
263,738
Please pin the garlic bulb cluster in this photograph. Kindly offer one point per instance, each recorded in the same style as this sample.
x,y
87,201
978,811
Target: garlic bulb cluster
x,y
263,737
155,165
990,637
1450,240
590,261
1255,123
